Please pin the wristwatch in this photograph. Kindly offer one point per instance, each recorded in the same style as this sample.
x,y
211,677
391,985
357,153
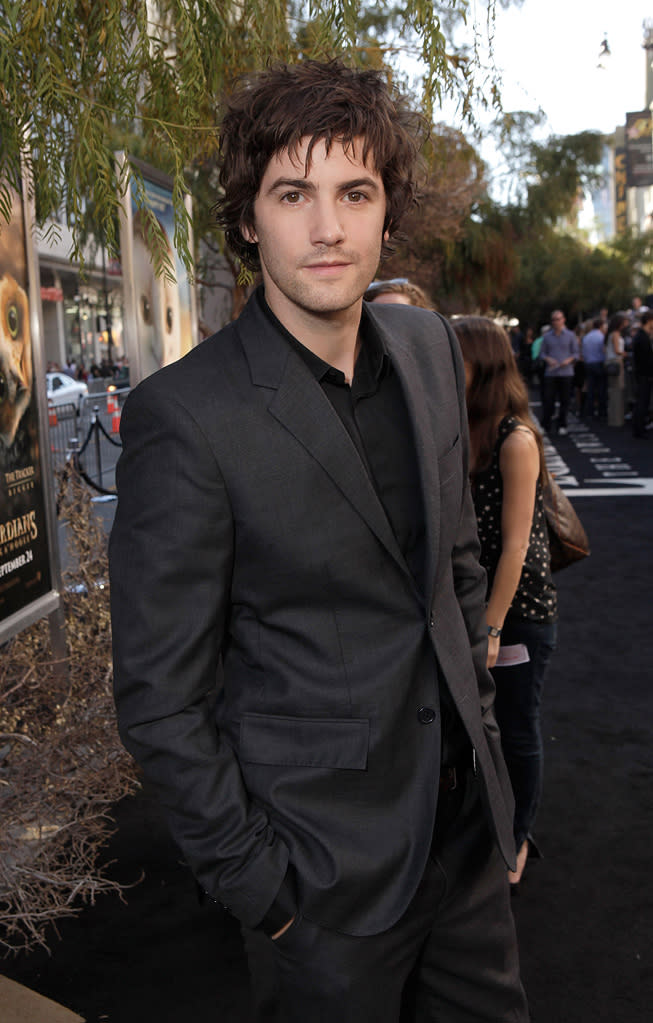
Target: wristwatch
x,y
494,631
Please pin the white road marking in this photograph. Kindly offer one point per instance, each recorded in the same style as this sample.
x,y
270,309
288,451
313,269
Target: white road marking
x,y
614,476
638,488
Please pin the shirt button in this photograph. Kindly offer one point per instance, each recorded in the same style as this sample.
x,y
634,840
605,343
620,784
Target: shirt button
x,y
426,715
432,621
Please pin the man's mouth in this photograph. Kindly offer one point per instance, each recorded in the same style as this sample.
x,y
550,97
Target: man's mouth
x,y
328,267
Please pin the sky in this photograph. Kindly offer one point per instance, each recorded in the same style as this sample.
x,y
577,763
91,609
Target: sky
x,y
548,52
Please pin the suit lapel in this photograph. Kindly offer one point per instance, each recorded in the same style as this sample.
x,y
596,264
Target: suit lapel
x,y
301,406
419,404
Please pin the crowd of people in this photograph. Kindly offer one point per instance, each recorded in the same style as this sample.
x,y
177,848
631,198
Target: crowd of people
x,y
106,369
602,369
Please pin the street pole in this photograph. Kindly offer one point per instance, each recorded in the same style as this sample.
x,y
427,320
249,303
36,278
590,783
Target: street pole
x,y
107,309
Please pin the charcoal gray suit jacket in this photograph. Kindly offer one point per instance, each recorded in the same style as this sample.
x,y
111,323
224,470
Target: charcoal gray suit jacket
x,y
267,630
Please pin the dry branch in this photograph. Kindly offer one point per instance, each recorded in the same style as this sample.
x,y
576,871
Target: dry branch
x,y
62,766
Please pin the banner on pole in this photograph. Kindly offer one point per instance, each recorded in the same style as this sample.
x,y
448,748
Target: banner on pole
x,y
639,149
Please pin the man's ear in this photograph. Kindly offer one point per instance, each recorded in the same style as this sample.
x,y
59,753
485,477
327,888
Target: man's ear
x,y
249,234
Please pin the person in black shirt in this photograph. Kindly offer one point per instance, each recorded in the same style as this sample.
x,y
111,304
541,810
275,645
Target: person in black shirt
x,y
643,369
508,472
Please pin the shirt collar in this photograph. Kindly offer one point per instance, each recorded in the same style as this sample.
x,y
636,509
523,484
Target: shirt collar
x,y
372,364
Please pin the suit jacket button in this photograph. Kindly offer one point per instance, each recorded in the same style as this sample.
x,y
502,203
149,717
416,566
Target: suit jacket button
x,y
426,715
432,621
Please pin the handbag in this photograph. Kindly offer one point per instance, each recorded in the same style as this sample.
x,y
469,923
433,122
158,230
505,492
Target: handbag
x,y
612,368
567,538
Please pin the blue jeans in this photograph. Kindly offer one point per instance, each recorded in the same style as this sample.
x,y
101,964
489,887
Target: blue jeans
x,y
518,699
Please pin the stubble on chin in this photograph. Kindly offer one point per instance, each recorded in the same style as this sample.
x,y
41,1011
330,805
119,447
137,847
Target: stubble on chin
x,y
322,296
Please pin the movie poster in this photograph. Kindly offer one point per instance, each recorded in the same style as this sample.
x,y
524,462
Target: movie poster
x,y
159,313
25,574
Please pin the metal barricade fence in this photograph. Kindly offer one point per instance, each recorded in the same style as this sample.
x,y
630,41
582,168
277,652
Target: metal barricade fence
x,y
64,425
93,434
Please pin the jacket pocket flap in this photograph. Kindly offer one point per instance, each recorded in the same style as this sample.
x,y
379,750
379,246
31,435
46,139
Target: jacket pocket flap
x,y
304,742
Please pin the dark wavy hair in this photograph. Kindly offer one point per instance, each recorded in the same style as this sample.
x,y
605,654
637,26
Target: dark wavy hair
x,y
617,322
412,292
495,387
276,109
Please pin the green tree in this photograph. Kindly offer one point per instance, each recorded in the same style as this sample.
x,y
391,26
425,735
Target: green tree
x,y
438,231
556,266
523,255
558,172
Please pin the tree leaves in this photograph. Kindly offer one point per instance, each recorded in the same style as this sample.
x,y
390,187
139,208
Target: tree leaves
x,y
80,80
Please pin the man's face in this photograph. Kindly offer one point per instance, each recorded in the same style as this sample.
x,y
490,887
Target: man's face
x,y
319,233
558,322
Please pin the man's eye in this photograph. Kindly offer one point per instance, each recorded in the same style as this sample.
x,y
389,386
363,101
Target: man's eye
x,y
292,198
355,196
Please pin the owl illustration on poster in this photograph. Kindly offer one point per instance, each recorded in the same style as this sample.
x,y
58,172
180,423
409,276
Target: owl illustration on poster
x,y
25,563
16,375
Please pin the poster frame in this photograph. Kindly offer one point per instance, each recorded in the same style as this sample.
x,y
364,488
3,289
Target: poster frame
x,y
48,604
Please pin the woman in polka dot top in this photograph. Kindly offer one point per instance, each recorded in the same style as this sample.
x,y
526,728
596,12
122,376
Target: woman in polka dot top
x,y
507,475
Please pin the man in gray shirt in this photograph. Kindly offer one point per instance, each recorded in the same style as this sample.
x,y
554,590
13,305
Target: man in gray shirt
x,y
559,351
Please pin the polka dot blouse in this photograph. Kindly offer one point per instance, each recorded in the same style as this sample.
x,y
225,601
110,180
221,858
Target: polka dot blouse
x,y
535,599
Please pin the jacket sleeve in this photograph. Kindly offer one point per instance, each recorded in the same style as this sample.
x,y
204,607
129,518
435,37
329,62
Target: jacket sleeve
x,y
171,552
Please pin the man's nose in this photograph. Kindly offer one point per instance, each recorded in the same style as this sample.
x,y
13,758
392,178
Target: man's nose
x,y
326,226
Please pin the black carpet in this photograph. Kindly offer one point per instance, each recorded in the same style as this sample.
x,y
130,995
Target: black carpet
x,y
584,912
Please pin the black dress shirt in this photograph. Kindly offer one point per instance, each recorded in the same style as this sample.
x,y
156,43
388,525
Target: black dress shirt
x,y
374,413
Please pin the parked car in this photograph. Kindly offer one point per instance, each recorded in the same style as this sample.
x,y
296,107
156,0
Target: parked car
x,y
63,390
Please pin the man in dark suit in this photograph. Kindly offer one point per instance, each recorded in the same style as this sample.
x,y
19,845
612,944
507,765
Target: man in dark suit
x,y
299,635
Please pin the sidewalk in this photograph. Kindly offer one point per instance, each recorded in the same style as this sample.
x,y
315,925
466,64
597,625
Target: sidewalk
x,y
20,1005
